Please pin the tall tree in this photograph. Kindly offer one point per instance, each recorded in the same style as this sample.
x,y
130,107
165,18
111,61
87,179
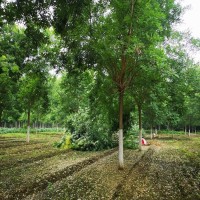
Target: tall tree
x,y
123,32
11,58
33,89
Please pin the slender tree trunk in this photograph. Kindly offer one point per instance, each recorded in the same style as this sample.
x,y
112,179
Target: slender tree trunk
x,y
189,131
28,126
185,130
121,157
1,113
151,132
140,126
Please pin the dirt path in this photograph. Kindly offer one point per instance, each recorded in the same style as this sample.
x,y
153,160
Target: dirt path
x,y
161,175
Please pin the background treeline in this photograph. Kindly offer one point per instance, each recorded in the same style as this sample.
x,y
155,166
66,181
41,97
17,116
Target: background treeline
x,y
99,57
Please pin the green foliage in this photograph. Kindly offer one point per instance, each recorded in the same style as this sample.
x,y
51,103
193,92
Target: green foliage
x,y
32,130
131,141
104,49
65,142
171,132
89,144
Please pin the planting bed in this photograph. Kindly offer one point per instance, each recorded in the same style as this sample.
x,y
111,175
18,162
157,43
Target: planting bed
x,y
167,169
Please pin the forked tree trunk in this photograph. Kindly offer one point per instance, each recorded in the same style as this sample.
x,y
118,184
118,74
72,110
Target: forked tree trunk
x,y
140,126
28,126
121,157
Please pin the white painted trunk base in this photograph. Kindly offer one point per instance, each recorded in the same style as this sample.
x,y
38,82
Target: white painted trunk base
x,y
140,139
121,156
28,134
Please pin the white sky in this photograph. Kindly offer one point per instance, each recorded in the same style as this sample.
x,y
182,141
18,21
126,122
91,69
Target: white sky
x,y
191,17
191,21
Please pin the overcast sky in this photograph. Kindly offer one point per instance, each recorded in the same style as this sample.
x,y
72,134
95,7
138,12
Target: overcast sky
x,y
191,21
191,17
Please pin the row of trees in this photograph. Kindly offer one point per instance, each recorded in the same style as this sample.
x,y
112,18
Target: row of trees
x,y
120,63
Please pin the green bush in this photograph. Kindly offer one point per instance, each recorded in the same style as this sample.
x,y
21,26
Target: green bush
x,y
12,130
86,143
171,132
131,142
65,142
32,130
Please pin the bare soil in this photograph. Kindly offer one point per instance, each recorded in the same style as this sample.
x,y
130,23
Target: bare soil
x,y
167,169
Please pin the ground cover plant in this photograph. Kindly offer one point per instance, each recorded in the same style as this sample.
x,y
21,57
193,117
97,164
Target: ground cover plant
x,y
169,168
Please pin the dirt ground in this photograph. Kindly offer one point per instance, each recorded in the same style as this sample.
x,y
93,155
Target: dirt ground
x,y
169,168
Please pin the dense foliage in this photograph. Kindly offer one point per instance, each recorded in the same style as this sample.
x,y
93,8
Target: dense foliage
x,y
102,54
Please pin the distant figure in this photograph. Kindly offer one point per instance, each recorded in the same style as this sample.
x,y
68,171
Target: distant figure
x,y
144,142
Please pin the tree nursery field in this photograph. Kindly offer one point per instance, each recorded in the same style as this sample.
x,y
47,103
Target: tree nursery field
x,y
168,168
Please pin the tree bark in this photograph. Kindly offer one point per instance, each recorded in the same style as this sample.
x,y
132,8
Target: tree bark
x,y
28,126
140,127
121,157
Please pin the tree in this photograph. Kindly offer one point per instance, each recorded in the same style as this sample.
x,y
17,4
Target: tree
x,y
11,38
122,36
33,90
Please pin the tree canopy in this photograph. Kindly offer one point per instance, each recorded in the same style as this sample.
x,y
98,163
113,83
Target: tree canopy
x,y
118,64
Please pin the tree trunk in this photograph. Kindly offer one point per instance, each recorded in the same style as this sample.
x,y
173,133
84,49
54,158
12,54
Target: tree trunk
x,y
1,113
189,131
151,132
121,157
140,127
28,126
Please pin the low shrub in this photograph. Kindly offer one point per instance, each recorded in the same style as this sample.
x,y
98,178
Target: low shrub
x,y
131,142
65,142
85,143
171,132
32,130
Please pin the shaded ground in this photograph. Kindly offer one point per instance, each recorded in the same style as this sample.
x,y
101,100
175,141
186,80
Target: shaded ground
x,y
167,169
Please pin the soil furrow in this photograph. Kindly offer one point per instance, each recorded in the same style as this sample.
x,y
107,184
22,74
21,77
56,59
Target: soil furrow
x,y
54,177
10,164
141,162
18,144
27,149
